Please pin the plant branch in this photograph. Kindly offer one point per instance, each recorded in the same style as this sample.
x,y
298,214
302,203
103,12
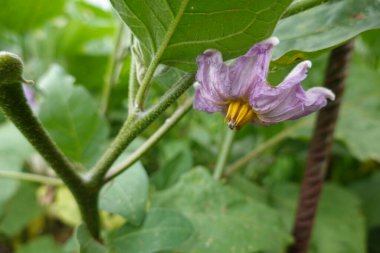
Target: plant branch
x,y
262,147
148,144
224,152
320,149
30,177
301,5
134,126
13,104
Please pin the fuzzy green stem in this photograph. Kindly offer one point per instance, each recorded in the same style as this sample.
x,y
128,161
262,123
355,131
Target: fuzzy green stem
x,y
148,144
263,147
223,156
15,107
16,175
134,126
301,5
113,69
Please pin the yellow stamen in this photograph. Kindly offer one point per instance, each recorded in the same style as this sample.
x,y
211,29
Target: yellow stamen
x,y
239,113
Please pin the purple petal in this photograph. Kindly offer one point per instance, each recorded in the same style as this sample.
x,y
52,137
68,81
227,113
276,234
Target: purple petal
x,y
203,102
251,69
212,76
289,100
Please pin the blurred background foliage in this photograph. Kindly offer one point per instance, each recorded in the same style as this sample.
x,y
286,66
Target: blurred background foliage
x,y
67,47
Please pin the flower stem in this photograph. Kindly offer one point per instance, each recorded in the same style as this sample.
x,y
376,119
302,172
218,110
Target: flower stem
x,y
148,144
134,126
262,147
223,155
30,177
301,5
320,149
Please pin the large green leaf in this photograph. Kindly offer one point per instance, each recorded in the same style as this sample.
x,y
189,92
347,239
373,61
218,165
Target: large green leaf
x,y
71,117
225,220
163,229
127,195
339,225
359,123
182,29
324,27
22,15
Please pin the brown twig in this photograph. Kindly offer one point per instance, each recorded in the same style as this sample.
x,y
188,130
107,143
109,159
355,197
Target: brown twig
x,y
320,147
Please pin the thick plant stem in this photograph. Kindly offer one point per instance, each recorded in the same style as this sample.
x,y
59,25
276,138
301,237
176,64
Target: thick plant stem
x,y
224,152
134,126
301,5
148,144
320,147
15,107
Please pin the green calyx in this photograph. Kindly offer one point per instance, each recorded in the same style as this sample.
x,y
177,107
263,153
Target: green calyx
x,y
11,69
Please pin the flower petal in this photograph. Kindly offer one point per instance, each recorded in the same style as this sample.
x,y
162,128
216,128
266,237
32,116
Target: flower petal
x,y
203,102
289,100
250,70
212,76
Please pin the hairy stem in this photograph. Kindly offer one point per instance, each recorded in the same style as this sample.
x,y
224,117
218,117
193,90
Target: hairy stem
x,y
223,155
134,126
15,107
262,147
16,175
320,149
148,144
301,5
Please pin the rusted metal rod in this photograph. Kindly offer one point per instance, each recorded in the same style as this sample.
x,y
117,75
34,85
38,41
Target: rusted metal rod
x,y
320,148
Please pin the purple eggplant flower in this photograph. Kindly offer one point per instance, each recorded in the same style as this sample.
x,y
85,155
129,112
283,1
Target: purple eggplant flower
x,y
242,93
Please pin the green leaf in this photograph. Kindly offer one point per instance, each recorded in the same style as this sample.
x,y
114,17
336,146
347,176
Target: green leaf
x,y
23,15
314,31
14,149
71,117
368,190
170,172
41,244
127,194
163,229
86,243
175,32
339,225
360,111
225,220
20,210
